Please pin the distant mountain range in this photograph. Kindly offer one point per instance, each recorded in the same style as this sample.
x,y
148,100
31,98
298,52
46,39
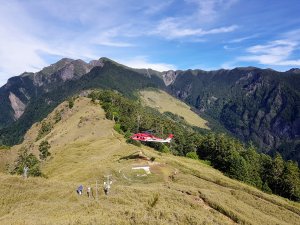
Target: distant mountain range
x,y
258,105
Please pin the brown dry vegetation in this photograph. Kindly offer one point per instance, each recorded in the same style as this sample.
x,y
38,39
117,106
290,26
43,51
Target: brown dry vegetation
x,y
84,148
164,102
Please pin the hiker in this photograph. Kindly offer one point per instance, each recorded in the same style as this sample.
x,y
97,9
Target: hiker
x,y
89,191
79,190
25,171
106,187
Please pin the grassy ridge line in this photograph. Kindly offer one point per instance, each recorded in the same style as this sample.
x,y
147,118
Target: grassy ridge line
x,y
164,102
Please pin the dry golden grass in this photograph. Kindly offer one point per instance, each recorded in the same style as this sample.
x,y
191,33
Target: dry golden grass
x,y
179,191
164,102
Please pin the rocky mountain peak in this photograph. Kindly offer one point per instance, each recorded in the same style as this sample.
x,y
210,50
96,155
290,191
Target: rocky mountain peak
x,y
94,63
56,66
294,70
65,69
247,68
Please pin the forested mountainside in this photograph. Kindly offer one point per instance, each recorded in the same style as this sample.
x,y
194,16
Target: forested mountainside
x,y
258,105
262,106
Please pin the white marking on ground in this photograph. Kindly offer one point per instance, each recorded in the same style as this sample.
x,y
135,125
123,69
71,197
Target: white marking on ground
x,y
120,171
145,168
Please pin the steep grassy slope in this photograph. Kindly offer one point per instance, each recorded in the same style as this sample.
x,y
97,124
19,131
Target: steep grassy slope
x,y
178,191
167,103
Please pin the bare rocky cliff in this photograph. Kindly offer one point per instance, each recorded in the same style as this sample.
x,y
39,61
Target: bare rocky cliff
x,y
169,77
17,105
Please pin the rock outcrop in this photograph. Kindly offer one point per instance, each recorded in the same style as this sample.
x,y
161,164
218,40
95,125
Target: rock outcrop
x,y
17,105
169,77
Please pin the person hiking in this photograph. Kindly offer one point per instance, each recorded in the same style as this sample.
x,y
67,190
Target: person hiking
x,y
89,192
25,169
106,187
106,184
79,190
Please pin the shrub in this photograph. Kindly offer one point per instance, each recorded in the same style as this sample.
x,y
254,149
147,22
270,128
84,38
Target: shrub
x,y
156,145
57,116
35,170
71,102
43,148
266,188
192,155
127,134
165,149
4,147
134,142
45,129
117,127
152,159
24,159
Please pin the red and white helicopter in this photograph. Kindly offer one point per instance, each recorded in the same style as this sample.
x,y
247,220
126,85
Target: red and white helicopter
x,y
146,136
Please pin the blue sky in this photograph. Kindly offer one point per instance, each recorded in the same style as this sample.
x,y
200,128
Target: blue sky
x,y
158,34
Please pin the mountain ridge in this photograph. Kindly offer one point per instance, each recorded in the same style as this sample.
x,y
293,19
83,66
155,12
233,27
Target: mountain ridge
x,y
259,105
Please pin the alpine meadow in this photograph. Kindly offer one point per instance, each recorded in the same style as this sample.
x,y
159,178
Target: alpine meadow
x,y
149,112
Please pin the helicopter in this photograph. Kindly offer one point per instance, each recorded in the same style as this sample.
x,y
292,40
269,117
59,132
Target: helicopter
x,y
149,137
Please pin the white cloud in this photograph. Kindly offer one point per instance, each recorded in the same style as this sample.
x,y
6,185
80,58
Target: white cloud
x,y
210,10
221,30
141,62
293,35
238,40
229,48
114,44
278,47
108,37
19,50
154,8
289,63
276,52
203,14
172,28
229,65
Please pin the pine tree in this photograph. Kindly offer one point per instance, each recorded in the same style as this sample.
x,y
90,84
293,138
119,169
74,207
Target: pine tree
x,y
276,172
254,166
291,181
